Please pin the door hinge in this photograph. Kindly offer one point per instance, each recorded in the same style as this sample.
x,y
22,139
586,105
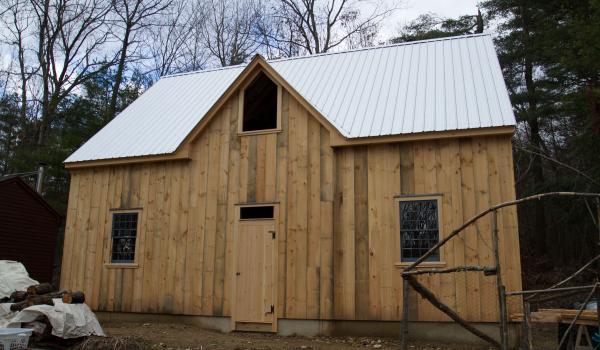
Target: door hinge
x,y
273,234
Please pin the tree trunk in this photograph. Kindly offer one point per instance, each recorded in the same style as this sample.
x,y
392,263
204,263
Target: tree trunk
x,y
593,106
112,106
535,137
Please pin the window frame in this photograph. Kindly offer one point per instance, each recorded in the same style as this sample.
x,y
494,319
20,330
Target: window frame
x,y
416,197
240,206
108,256
242,91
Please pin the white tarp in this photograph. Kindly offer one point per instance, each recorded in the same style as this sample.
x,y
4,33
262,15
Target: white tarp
x,y
13,276
67,320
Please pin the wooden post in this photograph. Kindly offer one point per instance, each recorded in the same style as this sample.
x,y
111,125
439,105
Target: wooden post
x,y
527,325
501,288
404,326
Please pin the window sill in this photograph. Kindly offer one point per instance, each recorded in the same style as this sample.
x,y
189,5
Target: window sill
x,y
121,266
423,265
259,132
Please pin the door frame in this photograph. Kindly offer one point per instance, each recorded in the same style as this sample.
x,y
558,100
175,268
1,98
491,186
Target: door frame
x,y
236,231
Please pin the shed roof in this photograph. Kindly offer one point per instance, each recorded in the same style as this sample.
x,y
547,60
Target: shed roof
x,y
443,84
9,180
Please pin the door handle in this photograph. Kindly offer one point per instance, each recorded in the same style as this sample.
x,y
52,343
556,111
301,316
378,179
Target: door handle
x,y
237,273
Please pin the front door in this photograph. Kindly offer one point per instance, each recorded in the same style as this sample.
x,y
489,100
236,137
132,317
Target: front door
x,y
255,275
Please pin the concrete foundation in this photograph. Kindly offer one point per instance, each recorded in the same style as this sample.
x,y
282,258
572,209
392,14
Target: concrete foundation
x,y
221,324
434,332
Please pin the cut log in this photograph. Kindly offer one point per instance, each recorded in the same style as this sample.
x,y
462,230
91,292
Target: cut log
x,y
73,298
18,296
57,295
39,300
18,306
40,289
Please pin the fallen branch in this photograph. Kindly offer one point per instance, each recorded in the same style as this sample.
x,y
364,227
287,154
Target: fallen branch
x,y
488,271
554,290
589,178
583,268
425,293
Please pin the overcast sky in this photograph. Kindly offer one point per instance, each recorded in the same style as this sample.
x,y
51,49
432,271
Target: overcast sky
x,y
411,9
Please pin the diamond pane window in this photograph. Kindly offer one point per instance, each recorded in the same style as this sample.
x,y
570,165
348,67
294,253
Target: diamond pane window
x,y
124,234
419,229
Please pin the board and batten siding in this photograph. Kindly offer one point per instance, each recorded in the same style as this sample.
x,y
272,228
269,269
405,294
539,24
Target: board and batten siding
x,y
337,233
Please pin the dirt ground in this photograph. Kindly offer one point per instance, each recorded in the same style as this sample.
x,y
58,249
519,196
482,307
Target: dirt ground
x,y
178,336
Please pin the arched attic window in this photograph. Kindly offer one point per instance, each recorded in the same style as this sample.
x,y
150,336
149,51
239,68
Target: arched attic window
x,y
260,105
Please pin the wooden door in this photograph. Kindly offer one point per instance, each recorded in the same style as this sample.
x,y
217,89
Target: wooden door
x,y
255,275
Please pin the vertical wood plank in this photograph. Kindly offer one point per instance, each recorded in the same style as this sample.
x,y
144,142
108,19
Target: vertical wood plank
x,y
470,233
208,274
297,211
361,215
99,233
344,239
201,233
148,256
138,286
282,172
163,302
326,225
232,199
270,168
314,219
261,164
221,231
488,296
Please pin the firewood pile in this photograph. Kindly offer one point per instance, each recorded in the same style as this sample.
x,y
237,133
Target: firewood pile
x,y
41,294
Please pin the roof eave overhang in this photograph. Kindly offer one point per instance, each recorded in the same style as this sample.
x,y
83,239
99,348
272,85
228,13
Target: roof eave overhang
x,y
336,141
507,130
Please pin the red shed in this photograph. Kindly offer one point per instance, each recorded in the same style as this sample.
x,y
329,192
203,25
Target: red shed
x,y
28,228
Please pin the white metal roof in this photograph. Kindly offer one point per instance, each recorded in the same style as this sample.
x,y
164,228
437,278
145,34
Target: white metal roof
x,y
435,85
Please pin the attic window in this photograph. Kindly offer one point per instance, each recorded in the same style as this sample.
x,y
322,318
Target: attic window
x,y
260,104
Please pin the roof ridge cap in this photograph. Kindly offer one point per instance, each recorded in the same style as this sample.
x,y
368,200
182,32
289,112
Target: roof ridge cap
x,y
198,71
416,42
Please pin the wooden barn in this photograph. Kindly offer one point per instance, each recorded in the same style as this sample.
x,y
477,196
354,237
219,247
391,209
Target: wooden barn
x,y
29,228
287,195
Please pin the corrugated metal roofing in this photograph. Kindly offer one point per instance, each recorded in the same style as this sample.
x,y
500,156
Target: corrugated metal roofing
x,y
435,85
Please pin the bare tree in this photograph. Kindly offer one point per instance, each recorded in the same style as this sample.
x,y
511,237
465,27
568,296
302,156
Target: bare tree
x,y
71,36
227,28
175,44
16,23
316,26
132,17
